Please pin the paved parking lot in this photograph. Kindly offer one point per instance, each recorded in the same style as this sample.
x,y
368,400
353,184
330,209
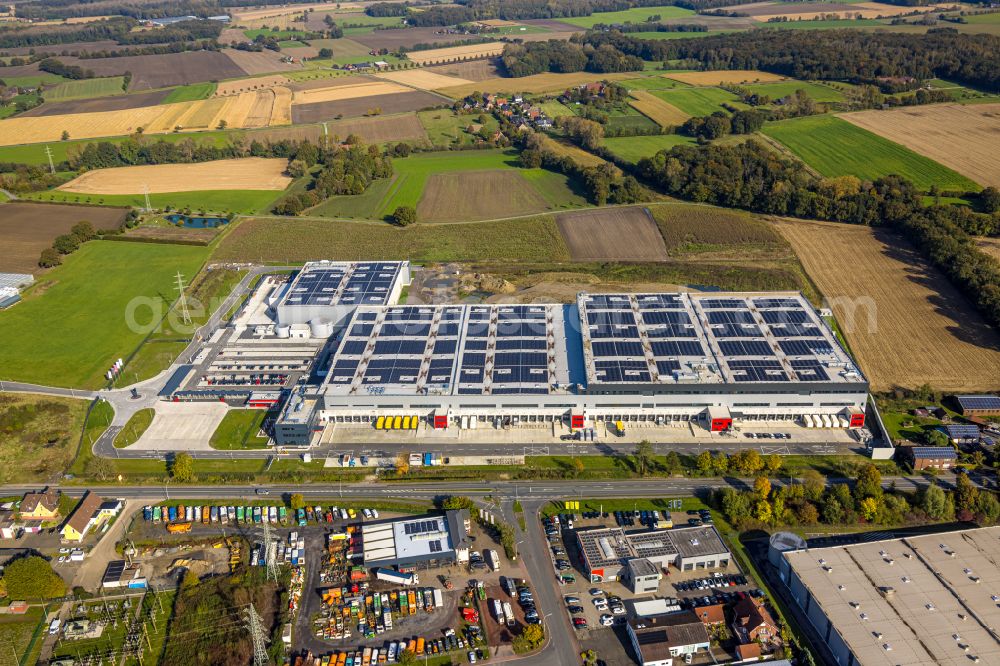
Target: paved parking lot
x,y
182,426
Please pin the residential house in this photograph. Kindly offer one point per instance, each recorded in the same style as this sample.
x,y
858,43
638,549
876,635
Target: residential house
x,y
92,511
752,622
660,639
41,505
712,614
929,457
748,652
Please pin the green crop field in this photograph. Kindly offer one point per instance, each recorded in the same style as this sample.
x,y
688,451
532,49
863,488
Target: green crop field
x,y
279,240
634,148
74,322
446,128
86,88
636,15
554,109
32,80
653,83
835,147
35,153
698,101
205,201
816,91
239,430
190,93
406,187
558,190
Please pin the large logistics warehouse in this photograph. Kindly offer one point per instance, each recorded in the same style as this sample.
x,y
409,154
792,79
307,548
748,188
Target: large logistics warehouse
x,y
712,358
932,599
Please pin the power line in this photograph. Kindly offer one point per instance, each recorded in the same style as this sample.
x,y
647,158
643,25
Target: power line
x,y
182,301
256,626
48,153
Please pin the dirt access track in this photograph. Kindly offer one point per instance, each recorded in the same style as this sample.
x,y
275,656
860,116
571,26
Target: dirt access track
x,y
612,234
252,173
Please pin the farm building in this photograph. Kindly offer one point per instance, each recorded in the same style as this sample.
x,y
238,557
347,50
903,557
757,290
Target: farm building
x,y
715,359
608,552
961,433
660,639
929,457
978,405
917,600
427,541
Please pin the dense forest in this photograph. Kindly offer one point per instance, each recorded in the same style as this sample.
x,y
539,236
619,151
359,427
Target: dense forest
x,y
558,56
753,177
849,55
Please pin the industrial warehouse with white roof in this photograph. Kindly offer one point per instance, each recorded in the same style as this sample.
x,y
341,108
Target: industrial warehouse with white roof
x,y
932,599
710,359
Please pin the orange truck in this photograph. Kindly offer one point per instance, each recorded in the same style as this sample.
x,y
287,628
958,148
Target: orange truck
x,y
179,527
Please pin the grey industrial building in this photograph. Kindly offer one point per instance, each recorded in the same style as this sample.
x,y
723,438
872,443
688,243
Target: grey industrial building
x,y
711,358
641,576
423,542
932,599
608,552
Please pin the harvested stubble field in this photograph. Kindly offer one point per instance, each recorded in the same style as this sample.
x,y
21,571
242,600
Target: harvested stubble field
x,y
117,103
715,77
808,11
452,53
423,79
379,129
536,83
247,85
474,70
252,173
295,240
29,228
164,118
343,91
407,37
963,137
477,195
297,84
564,148
654,108
254,64
612,234
905,322
412,100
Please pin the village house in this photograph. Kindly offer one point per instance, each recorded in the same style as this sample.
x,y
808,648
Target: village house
x,y
41,505
752,622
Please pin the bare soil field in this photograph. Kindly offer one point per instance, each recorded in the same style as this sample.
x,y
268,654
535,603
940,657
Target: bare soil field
x,y
246,85
423,79
331,82
654,108
963,137
612,234
714,78
452,53
536,83
171,69
292,133
29,228
473,70
380,129
342,92
254,64
393,39
414,100
904,322
477,195
117,103
253,173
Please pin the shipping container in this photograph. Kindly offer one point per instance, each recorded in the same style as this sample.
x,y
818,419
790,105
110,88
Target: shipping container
x,y
508,612
493,559
438,598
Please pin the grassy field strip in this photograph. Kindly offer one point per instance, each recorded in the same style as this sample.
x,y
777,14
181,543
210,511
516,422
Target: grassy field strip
x,y
86,88
657,110
75,321
835,147
206,201
699,101
634,148
635,15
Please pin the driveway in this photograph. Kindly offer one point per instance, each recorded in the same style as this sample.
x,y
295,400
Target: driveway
x,y
91,572
182,426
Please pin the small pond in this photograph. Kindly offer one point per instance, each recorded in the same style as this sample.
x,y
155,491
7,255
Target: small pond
x,y
192,222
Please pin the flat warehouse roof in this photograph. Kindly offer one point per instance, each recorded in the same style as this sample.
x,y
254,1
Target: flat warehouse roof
x,y
902,602
709,338
342,283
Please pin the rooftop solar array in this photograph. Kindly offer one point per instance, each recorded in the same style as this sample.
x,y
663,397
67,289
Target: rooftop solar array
x,y
349,284
675,338
987,402
473,350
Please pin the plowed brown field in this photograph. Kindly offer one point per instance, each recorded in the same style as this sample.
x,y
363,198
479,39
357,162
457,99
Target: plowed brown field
x,y
906,324
612,234
477,195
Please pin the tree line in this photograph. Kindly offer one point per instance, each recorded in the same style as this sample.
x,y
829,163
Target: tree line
x,y
848,55
753,177
562,56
